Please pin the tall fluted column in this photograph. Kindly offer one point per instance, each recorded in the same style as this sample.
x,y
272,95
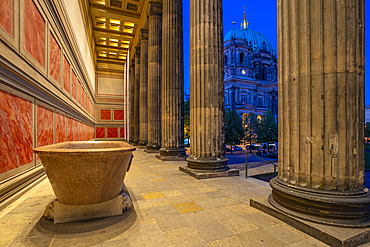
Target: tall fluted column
x,y
137,97
143,88
321,112
172,82
207,147
132,99
154,76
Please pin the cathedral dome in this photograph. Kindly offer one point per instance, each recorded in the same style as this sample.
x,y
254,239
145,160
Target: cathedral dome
x,y
258,41
234,34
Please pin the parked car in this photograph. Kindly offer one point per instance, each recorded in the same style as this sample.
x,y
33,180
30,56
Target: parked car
x,y
258,147
227,149
237,148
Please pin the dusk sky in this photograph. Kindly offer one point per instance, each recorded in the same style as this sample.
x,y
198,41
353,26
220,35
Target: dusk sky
x,y
262,17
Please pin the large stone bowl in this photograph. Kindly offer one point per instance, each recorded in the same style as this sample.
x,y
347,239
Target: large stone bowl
x,y
86,172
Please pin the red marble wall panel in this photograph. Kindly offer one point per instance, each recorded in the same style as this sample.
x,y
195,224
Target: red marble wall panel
x,y
60,128
100,132
84,136
66,75
81,131
92,132
105,114
118,114
74,85
112,132
54,58
76,129
45,126
69,129
83,99
122,133
90,107
7,16
34,32
15,132
79,88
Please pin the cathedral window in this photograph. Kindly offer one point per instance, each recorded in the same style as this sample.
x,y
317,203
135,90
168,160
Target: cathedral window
x,y
241,58
225,60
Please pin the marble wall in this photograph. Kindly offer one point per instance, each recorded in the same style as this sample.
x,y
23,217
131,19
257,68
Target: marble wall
x,y
66,75
111,98
45,125
16,131
7,16
100,132
74,85
55,54
51,98
34,32
61,131
69,129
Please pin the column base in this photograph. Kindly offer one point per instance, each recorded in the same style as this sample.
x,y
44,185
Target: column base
x,y
136,142
335,208
208,164
152,148
331,235
142,145
199,174
172,154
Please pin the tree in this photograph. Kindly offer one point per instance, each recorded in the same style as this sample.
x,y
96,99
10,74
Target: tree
x,y
268,128
234,131
187,117
250,129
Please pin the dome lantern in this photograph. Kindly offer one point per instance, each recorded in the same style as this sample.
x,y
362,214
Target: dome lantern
x,y
245,24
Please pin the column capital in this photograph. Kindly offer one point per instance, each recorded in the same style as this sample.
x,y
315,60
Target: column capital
x,y
155,8
144,34
137,50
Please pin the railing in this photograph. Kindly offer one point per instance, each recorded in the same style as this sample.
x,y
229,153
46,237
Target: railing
x,y
246,163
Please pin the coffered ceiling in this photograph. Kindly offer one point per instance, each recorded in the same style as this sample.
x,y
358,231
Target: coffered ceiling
x,y
113,27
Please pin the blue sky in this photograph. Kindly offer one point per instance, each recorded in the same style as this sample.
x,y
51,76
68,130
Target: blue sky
x,y
262,17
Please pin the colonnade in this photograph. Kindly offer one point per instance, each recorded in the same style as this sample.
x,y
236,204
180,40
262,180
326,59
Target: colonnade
x,y
321,101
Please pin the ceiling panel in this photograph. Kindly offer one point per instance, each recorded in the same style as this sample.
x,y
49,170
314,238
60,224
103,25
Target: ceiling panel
x,y
114,26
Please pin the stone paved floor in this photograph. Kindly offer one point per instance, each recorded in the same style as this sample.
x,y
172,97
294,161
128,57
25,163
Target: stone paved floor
x,y
170,209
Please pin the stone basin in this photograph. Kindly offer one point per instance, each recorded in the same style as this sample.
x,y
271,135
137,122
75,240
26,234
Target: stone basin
x,y
86,172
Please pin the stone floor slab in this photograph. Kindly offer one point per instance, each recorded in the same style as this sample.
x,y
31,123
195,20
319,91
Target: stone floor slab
x,y
187,207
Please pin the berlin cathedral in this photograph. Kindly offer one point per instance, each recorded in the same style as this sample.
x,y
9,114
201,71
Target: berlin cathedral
x,y
250,72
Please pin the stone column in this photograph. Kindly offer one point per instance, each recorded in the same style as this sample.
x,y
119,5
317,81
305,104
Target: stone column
x,y
132,99
321,112
207,146
172,82
154,77
137,97
143,88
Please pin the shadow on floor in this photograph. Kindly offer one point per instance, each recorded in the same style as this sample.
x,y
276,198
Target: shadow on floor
x,y
81,233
